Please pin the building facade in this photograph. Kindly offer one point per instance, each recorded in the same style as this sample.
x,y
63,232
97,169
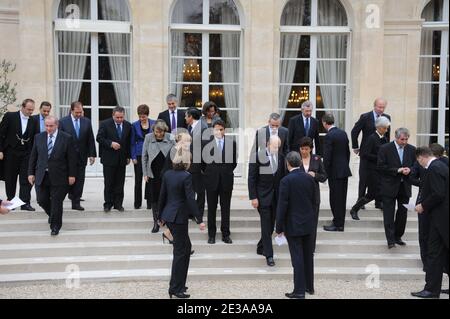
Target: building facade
x,y
252,57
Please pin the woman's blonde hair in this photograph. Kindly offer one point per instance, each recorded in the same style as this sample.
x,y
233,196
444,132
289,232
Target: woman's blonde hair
x,y
182,159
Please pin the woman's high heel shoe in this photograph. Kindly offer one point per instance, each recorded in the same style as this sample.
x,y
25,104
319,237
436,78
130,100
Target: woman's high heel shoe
x,y
179,295
164,237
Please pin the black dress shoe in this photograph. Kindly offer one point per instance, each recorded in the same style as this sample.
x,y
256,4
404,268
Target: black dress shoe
x,y
425,294
179,295
107,209
155,228
270,261
121,209
27,207
211,240
185,289
310,291
192,252
78,207
354,214
227,240
291,295
390,246
55,232
400,242
333,228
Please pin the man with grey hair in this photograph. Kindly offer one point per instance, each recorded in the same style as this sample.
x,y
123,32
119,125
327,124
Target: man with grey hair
x,y
366,125
369,153
273,128
172,116
394,164
304,125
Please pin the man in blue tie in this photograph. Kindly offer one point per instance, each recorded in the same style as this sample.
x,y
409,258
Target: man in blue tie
x,y
44,111
304,125
173,117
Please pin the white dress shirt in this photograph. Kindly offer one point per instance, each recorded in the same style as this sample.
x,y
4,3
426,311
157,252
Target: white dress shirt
x,y
24,121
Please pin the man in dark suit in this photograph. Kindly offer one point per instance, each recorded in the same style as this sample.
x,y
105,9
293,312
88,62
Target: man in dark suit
x,y
434,202
219,160
173,117
296,220
395,161
17,131
336,159
80,128
273,128
264,175
52,168
39,119
304,125
113,138
366,125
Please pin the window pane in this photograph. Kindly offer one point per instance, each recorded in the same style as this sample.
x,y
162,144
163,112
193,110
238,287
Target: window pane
x,y
87,112
330,97
191,95
297,13
430,42
295,46
332,46
333,72
446,122
224,45
428,95
114,94
74,91
332,13
117,66
300,74
426,140
186,70
74,42
114,43
447,98
288,115
429,69
113,10
433,11
294,96
104,114
225,96
186,44
74,9
223,12
188,11
217,74
427,121
74,67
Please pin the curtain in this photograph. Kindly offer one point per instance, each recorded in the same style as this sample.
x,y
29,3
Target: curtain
x,y
178,42
290,44
230,47
332,46
118,44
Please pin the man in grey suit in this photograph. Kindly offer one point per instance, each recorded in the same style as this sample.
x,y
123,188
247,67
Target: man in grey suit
x,y
273,128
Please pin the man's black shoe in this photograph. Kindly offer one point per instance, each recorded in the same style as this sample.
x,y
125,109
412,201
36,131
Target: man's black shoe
x,y
211,240
390,246
291,295
425,294
310,291
400,242
55,232
354,214
121,209
227,240
78,207
270,262
107,209
27,207
333,228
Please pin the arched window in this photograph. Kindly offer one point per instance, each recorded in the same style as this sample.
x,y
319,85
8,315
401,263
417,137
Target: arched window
x,y
313,58
206,56
93,56
433,126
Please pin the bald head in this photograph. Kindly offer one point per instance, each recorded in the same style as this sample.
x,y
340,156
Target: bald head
x,y
379,105
51,124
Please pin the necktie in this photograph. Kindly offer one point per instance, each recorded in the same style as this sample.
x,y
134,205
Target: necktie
x,y
50,145
190,129
77,127
400,154
307,127
174,122
119,131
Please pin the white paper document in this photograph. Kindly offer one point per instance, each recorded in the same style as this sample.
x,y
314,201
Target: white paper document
x,y
14,203
281,240
410,206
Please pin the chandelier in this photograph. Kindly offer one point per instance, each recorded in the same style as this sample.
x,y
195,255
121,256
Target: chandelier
x,y
191,71
299,97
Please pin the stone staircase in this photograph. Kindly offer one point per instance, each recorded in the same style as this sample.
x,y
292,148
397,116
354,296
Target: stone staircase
x,y
119,246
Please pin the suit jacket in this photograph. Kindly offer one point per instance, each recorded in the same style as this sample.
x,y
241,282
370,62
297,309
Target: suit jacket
x,y
84,145
297,132
388,165
219,170
61,164
11,129
177,198
165,116
435,197
336,154
296,212
263,136
366,124
107,133
37,121
369,150
262,183
138,138
316,166
196,147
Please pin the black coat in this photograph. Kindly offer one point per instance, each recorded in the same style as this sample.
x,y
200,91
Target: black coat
x,y
369,150
263,136
296,213
11,128
107,133
297,132
85,145
336,154
388,165
316,166
220,171
61,164
366,125
435,197
165,116
262,183
196,147
177,198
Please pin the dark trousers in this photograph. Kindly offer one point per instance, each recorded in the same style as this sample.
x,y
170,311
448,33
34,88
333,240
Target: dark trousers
x,y
267,216
437,261
373,190
138,178
16,164
181,256
225,203
424,234
76,190
395,223
316,224
199,188
301,249
51,199
363,173
338,200
114,179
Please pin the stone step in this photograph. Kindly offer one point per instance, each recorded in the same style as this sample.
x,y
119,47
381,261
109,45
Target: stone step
x,y
92,263
195,234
